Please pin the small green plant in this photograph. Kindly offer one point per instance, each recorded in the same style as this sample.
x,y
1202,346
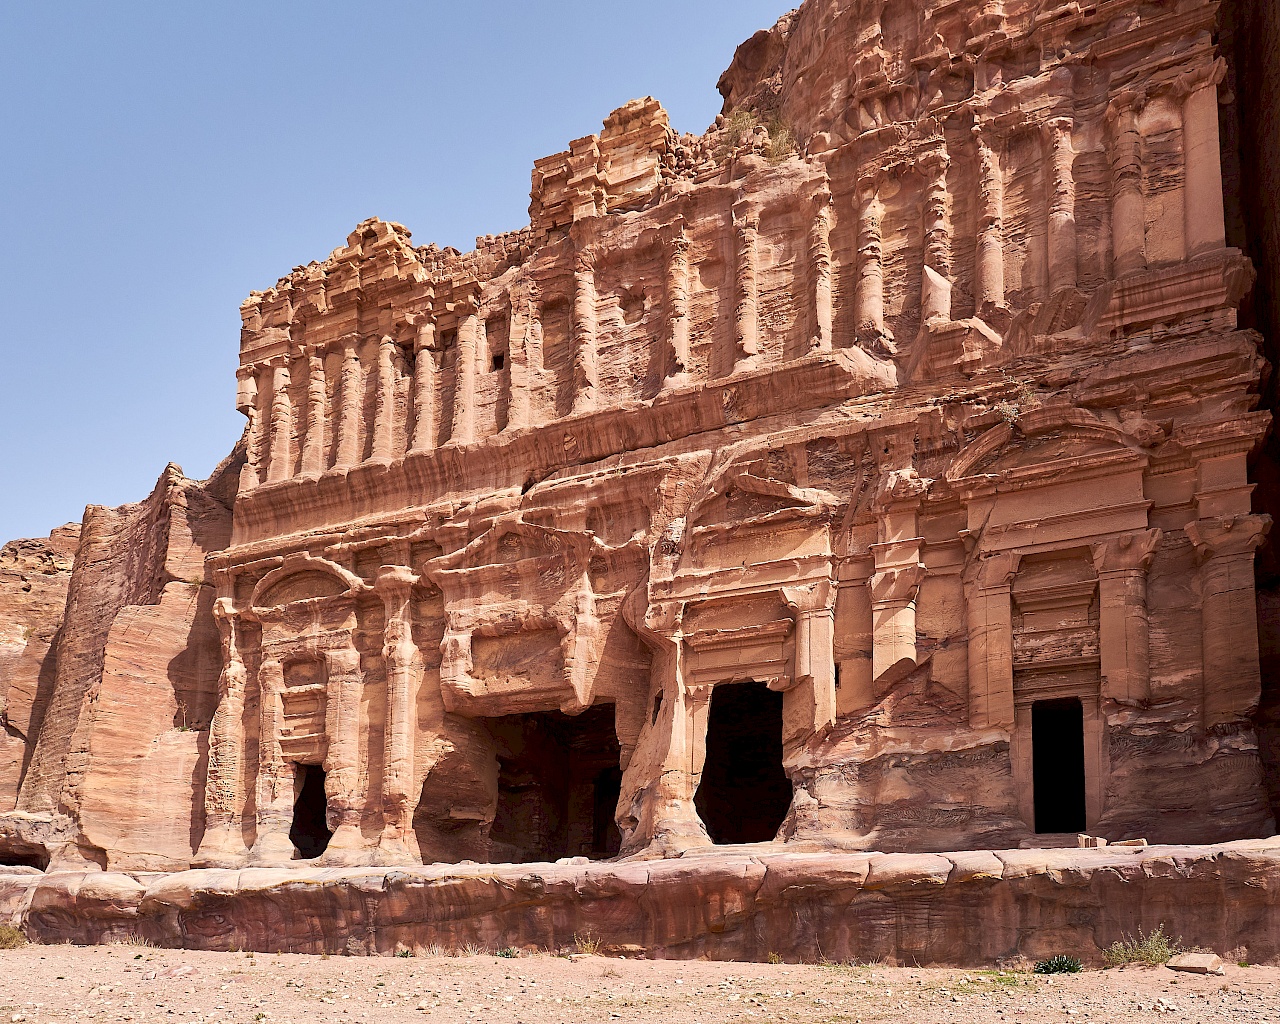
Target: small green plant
x,y
782,141
1154,949
1060,964
587,944
774,958
509,952
404,952
11,938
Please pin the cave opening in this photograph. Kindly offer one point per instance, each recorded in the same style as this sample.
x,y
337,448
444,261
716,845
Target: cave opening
x,y
30,857
558,786
744,794
1057,752
310,832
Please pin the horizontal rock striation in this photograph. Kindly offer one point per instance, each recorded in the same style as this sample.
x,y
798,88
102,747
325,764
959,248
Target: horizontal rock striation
x,y
963,909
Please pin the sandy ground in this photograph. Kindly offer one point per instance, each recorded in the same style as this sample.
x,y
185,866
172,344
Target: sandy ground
x,y
128,983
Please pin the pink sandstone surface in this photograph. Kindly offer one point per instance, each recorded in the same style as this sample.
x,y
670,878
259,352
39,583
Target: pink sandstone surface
x,y
877,475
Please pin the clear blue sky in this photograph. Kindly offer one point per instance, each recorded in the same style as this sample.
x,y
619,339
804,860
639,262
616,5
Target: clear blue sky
x,y
160,160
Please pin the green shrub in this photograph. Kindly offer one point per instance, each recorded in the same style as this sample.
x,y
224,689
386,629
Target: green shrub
x,y
1060,964
509,953
11,938
1154,949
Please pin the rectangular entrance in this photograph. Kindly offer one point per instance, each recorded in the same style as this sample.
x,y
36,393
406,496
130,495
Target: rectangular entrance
x,y
1057,750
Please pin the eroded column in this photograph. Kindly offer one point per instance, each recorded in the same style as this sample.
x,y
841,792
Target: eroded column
x,y
464,375
1123,629
313,461
990,258
586,371
678,305
223,842
746,223
1205,219
988,593
384,422
935,293
280,429
247,403
1229,616
1128,208
342,755
524,314
869,301
1062,205
424,385
810,702
821,262
404,670
275,786
351,401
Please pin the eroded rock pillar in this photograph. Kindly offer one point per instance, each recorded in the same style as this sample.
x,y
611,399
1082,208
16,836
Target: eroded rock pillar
x,y
280,429
1229,616
384,422
820,261
988,595
313,442
464,387
870,293
586,371
424,386
1123,629
1205,219
810,702
935,293
746,223
1062,205
275,788
678,305
247,403
342,755
1128,208
404,671
523,316
989,271
223,842
351,400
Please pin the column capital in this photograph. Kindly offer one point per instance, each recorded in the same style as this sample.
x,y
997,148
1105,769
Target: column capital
x,y
897,584
1129,552
395,579
1226,536
816,597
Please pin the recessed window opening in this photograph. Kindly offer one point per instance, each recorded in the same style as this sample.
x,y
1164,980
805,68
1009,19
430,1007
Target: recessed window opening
x,y
499,361
310,832
1057,748
744,794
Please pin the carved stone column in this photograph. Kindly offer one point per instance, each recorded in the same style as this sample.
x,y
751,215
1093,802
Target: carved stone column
x,y
424,385
313,443
275,795
342,754
1123,630
223,841
1205,219
869,302
935,293
523,317
893,612
746,223
989,271
820,261
1062,205
247,403
280,428
1229,615
586,372
464,374
988,592
404,671
810,701
384,422
1128,208
351,402
678,304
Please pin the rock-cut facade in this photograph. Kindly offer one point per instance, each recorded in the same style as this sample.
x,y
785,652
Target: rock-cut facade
x,y
869,472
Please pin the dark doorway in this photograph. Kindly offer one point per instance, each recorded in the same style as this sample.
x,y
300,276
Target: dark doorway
x,y
745,793
1057,749
310,832
30,857
558,785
